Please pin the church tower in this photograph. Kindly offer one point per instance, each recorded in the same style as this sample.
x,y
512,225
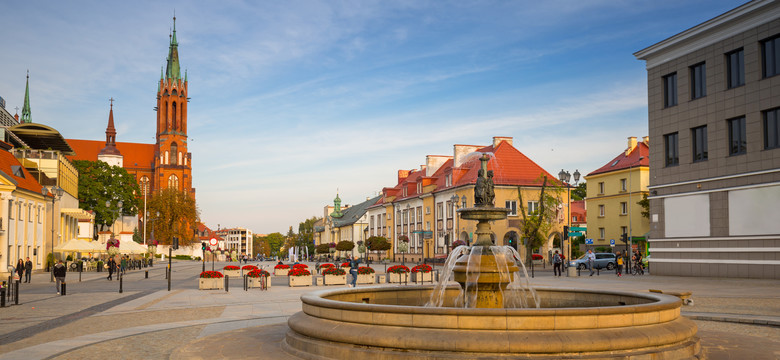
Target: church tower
x,y
172,160
110,154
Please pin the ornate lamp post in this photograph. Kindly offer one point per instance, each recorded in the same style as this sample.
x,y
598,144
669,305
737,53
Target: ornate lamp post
x,y
565,176
455,200
57,193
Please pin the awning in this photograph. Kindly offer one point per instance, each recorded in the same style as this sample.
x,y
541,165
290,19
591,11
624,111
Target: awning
x,y
77,213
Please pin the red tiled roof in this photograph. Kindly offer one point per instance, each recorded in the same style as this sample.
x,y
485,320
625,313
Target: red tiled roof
x,y
624,161
578,210
134,155
26,182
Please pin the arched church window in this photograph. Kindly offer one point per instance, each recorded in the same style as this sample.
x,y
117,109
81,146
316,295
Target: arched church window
x,y
180,158
166,157
165,115
174,117
173,182
174,151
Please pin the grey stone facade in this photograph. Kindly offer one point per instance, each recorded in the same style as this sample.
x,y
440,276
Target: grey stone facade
x,y
714,217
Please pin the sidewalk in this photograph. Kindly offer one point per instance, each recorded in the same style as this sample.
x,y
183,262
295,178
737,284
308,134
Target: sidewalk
x,y
146,321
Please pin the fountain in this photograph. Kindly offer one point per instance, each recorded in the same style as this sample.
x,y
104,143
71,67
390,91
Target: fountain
x,y
491,312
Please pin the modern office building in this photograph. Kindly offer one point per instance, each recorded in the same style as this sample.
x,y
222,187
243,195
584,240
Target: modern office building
x,y
714,108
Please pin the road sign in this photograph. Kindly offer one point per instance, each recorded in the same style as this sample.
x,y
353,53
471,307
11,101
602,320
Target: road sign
x,y
612,242
578,228
588,241
213,241
575,234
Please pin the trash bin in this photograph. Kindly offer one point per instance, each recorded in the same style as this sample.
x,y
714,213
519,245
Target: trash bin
x,y
572,271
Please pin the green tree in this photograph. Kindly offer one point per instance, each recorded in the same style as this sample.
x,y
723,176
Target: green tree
x,y
137,237
306,234
535,225
378,243
323,248
580,191
345,245
645,204
260,245
173,213
100,182
275,242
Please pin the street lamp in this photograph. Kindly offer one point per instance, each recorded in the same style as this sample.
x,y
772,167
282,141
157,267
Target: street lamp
x,y
56,192
455,200
565,176
630,233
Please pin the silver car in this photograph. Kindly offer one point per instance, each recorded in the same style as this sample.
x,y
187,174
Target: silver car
x,y
603,260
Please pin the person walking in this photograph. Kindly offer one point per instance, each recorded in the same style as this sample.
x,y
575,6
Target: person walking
x,y
353,269
619,264
59,275
556,258
123,264
20,268
111,266
591,260
27,270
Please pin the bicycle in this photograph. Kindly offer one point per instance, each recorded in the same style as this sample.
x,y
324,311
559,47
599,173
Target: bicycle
x,y
637,269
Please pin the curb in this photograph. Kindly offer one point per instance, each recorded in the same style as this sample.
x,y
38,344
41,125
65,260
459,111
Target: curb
x,y
735,318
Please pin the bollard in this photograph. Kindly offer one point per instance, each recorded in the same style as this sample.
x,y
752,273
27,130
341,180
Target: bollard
x,y
16,293
146,275
120,283
227,283
2,297
246,283
62,289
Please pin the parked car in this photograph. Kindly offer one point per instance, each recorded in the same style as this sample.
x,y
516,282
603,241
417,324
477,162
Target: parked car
x,y
603,260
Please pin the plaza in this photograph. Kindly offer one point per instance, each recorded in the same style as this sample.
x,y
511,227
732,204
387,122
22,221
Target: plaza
x,y
148,322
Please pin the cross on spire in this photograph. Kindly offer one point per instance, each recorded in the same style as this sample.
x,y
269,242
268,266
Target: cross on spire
x,y
111,100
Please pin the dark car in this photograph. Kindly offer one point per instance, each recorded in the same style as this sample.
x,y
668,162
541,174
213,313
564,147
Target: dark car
x,y
603,260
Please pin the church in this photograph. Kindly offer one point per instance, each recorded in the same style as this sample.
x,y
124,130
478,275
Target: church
x,y
166,163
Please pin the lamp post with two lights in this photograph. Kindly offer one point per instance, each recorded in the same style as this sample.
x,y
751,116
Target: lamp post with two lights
x,y
56,194
565,176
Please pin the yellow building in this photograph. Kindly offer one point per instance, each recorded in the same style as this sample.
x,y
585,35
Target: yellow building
x,y
421,209
613,192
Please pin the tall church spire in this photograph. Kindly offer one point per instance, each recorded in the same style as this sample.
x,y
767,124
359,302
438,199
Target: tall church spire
x,y
26,118
173,71
110,148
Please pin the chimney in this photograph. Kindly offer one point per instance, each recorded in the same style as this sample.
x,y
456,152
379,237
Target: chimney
x,y
460,153
403,174
646,140
631,144
499,139
433,163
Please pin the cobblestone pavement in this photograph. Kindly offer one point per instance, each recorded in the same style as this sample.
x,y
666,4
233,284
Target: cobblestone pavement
x,y
148,322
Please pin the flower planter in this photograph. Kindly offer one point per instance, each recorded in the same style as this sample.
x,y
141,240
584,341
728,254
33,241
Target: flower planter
x,y
211,283
366,278
346,269
304,280
394,278
257,282
232,273
335,279
281,272
421,277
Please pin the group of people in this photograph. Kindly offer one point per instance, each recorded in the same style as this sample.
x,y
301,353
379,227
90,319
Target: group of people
x,y
24,269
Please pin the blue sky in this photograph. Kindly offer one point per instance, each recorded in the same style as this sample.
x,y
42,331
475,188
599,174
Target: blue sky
x,y
292,100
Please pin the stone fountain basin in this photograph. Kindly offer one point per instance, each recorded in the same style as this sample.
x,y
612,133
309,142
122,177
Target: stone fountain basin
x,y
483,213
391,322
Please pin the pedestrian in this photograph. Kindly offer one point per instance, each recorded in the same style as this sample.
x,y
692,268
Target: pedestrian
x,y
27,270
59,275
556,259
123,264
353,269
111,266
20,268
619,264
591,260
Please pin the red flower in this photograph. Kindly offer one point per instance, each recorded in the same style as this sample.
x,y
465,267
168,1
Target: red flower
x,y
257,273
537,257
300,266
333,271
282,266
299,272
398,269
248,267
211,274
365,270
423,268
346,264
230,267
327,265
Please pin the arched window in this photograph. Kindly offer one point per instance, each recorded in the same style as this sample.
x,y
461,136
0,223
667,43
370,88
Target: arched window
x,y
166,157
173,182
174,151
165,115
185,161
180,158
174,117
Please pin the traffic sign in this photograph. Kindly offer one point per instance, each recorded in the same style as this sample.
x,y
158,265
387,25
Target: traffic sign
x,y
575,233
213,241
578,228
612,242
588,241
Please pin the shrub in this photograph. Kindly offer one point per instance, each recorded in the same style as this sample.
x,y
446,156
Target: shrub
x,y
282,266
211,274
327,265
249,267
230,267
333,271
537,257
423,268
398,269
300,266
346,264
365,270
299,272
256,273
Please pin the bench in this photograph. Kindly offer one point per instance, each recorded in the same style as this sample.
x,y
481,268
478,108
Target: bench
x,y
685,296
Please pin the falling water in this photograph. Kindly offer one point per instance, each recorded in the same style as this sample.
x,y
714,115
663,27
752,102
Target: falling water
x,y
437,295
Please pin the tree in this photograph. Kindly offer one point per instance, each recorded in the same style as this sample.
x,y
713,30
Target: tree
x,y
580,191
345,245
173,213
275,242
323,249
378,243
260,245
100,182
306,233
645,204
540,222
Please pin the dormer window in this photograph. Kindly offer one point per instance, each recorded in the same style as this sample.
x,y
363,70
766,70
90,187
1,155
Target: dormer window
x,y
419,188
17,171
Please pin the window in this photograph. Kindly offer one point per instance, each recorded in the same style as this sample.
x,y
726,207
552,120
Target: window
x,y
670,90
623,208
737,138
735,68
574,218
670,149
38,213
173,182
623,230
601,187
602,210
512,206
699,143
29,212
622,184
533,207
772,128
439,211
449,209
174,151
770,56
601,233
419,188
698,81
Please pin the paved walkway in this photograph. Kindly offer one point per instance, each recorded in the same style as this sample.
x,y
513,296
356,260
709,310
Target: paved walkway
x,y
735,316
